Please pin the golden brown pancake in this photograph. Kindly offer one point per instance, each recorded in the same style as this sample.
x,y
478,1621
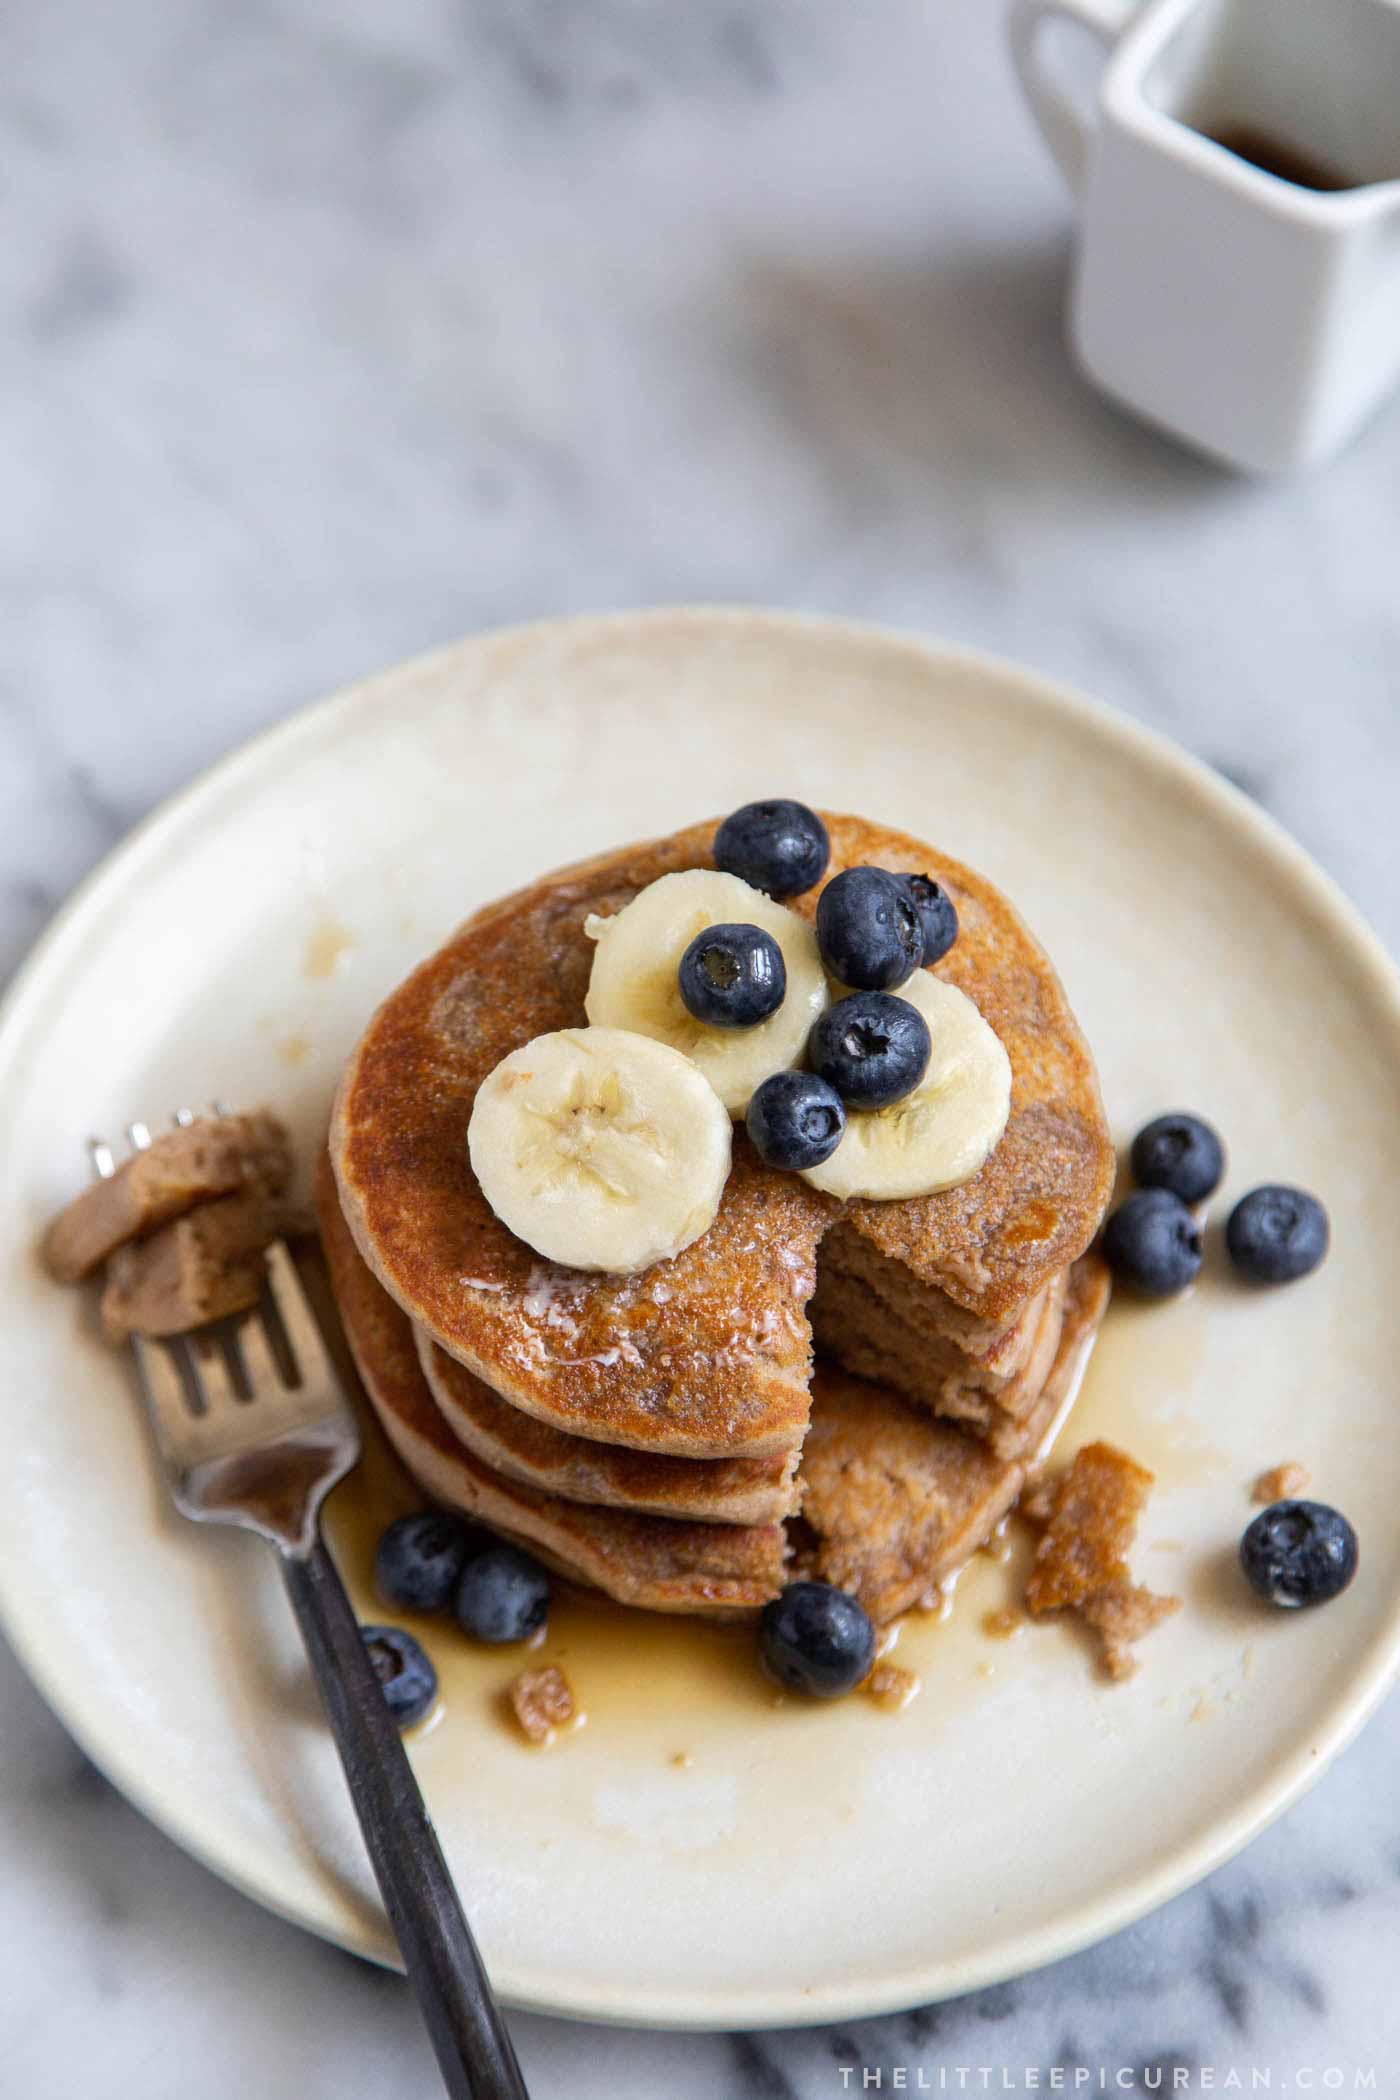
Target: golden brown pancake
x,y
657,1562
705,1490
715,1363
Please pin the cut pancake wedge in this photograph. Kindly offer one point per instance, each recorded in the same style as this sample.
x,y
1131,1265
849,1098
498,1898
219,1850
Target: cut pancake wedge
x,y
895,1502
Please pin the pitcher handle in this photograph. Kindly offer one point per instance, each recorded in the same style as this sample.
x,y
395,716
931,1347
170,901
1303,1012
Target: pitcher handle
x,y
1062,127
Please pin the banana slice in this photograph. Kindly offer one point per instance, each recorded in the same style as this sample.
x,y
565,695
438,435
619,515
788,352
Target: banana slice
x,y
600,1149
634,985
941,1133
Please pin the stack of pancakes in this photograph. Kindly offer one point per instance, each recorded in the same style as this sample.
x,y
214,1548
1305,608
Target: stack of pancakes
x,y
657,1434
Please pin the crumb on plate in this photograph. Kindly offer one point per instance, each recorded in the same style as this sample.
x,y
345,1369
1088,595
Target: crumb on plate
x,y
1281,1482
1091,1518
542,1702
891,1686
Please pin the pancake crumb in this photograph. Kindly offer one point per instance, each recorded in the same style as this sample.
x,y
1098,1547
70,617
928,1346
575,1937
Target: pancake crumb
x,y
543,1703
1121,1614
891,1687
1036,1504
1280,1482
1092,1513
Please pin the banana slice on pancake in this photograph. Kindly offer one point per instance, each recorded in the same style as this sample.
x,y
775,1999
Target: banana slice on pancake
x,y
941,1133
600,1148
634,981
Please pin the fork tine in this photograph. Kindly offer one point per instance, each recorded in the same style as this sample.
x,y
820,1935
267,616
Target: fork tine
x,y
298,1321
211,1374
264,1372
250,1421
167,1405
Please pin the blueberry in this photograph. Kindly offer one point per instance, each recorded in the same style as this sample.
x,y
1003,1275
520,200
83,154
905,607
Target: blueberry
x,y
780,847
816,1639
403,1669
872,1047
796,1120
503,1596
1298,1553
869,930
938,915
733,976
1153,1243
420,1560
1275,1234
1181,1153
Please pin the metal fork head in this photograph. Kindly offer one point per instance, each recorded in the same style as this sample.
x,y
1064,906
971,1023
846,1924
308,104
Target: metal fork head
x,y
250,1419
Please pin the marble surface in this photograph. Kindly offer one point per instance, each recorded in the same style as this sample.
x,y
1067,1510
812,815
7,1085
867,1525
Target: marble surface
x,y
329,331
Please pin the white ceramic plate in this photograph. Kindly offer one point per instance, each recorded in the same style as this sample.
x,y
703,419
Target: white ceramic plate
x,y
806,1863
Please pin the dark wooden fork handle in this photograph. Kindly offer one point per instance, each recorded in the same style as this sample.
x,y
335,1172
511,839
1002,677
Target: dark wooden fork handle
x,y
444,1968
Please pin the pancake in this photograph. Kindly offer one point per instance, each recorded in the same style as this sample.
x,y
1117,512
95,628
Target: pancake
x,y
895,1502
715,1569
708,1355
706,1490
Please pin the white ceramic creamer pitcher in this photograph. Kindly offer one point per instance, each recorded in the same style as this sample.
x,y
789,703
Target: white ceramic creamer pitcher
x,y
1237,177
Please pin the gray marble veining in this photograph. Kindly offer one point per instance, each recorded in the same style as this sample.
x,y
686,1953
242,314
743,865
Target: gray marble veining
x,y
329,331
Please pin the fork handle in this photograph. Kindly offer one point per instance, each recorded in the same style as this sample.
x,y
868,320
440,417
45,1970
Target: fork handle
x,y
464,2022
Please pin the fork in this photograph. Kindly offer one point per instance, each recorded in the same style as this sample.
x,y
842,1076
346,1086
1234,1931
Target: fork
x,y
246,1439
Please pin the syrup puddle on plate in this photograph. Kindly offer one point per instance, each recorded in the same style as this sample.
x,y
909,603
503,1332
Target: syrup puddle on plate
x,y
657,1676
652,1676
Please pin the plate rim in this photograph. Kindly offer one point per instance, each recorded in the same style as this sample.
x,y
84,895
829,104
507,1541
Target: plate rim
x,y
251,1869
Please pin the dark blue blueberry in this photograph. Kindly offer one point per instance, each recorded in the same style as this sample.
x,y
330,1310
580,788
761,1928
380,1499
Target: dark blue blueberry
x,y
780,847
1181,1153
869,930
1153,1243
420,1559
872,1047
938,915
816,1639
1275,1234
1297,1553
503,1596
403,1669
733,976
796,1120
